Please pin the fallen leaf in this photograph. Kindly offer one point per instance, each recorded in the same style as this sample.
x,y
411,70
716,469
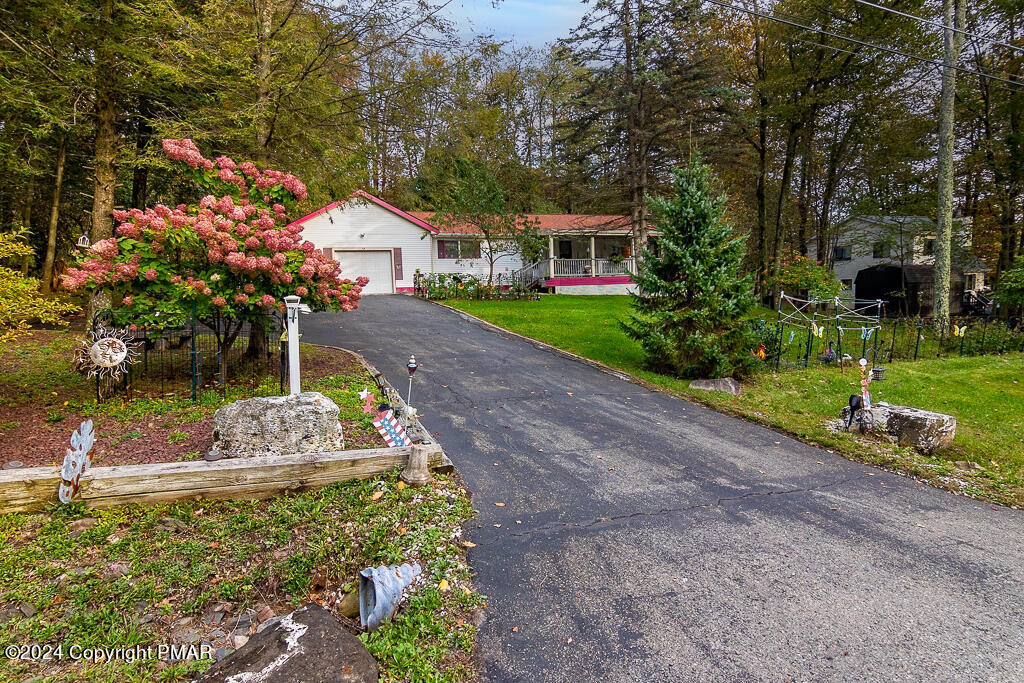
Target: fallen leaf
x,y
500,505
402,530
401,485
497,526
820,462
443,585
515,629
569,392
377,495
569,642
469,544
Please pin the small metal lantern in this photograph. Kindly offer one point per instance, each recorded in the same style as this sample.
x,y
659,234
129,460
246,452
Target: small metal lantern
x,y
877,374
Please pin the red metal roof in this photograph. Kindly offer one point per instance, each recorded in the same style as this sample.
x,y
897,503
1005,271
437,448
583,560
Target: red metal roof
x,y
545,222
561,223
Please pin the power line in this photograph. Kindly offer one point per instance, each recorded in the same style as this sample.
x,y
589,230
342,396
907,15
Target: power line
x,y
864,43
939,24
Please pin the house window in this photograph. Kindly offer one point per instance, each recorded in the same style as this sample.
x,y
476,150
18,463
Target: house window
x,y
847,284
842,254
971,281
458,249
880,250
929,247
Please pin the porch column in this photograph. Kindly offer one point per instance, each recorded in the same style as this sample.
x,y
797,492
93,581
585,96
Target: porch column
x,y
593,257
551,255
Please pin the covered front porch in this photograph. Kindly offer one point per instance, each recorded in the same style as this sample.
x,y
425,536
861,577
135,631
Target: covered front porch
x,y
590,256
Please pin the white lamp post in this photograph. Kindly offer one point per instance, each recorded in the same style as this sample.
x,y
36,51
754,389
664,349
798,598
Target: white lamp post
x,y
292,322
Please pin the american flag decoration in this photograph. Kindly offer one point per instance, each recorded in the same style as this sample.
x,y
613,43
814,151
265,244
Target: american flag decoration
x,y
393,433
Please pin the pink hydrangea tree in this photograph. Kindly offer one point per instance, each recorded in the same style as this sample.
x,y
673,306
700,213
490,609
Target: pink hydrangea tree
x,y
231,258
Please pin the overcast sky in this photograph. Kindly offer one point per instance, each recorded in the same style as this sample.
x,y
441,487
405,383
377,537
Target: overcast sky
x,y
528,22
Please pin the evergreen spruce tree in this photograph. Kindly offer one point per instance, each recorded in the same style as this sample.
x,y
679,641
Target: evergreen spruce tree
x,y
688,311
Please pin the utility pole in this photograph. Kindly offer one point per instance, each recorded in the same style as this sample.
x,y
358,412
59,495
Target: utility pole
x,y
954,18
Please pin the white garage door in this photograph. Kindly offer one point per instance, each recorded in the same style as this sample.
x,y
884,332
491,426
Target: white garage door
x,y
375,265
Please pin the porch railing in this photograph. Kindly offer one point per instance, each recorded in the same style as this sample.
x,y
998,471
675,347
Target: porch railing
x,y
585,267
573,267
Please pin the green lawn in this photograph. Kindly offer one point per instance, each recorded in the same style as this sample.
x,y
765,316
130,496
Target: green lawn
x,y
985,393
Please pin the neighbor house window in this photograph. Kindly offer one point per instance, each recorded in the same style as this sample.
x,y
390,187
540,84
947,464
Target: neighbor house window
x,y
847,284
880,250
458,249
842,254
929,247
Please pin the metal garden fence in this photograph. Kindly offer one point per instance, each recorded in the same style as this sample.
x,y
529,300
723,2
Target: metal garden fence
x,y
789,344
183,358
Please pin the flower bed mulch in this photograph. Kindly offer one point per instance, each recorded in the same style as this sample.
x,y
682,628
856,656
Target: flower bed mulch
x,y
42,401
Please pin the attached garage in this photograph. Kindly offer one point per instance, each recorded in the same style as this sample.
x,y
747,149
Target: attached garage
x,y
370,238
374,264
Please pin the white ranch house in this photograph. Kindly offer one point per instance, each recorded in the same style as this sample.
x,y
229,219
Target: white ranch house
x,y
587,254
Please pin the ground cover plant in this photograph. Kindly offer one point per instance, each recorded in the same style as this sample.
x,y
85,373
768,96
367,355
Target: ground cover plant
x,y
984,393
211,571
42,401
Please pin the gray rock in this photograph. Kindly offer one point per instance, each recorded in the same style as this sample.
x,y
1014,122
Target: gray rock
x,y
307,645
921,429
27,609
239,641
82,524
277,425
186,636
241,622
726,384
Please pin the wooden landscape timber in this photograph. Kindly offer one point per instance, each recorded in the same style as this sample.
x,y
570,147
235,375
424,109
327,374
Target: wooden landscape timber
x,y
32,489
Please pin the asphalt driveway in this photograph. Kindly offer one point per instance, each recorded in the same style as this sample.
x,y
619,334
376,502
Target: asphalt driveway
x,y
644,538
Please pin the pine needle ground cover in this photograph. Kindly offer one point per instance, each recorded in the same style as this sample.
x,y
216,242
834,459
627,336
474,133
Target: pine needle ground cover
x,y
984,393
145,575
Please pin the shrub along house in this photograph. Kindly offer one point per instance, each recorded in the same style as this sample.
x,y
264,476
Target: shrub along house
x,y
587,254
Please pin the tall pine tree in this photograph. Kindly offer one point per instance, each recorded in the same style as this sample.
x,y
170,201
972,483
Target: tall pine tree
x,y
691,297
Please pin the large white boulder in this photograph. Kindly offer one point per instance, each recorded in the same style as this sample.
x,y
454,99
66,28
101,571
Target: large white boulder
x,y
277,425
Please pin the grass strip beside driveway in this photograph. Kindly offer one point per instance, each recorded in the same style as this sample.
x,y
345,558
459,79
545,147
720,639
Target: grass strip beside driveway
x,y
984,393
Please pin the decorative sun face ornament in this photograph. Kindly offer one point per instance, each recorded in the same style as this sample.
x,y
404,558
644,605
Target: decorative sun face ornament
x,y
106,353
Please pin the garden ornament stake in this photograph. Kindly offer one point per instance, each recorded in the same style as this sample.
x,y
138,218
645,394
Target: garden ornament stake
x,y
76,461
860,406
411,365
380,591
